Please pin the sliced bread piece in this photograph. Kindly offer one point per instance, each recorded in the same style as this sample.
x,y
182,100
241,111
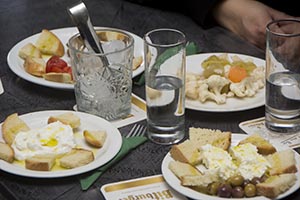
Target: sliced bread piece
x,y
35,66
11,126
49,43
199,180
264,147
181,169
6,152
40,163
58,77
76,158
216,137
95,138
29,50
186,152
66,118
276,185
282,162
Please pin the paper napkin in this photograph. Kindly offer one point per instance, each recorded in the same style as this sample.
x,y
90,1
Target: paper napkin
x,y
127,145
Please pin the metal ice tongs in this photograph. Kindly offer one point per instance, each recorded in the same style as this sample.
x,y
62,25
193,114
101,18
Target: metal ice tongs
x,y
80,17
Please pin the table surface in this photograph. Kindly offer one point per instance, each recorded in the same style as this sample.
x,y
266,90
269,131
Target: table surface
x,y
22,18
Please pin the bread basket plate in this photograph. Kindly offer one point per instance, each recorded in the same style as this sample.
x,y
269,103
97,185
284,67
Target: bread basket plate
x,y
174,182
193,65
15,63
102,155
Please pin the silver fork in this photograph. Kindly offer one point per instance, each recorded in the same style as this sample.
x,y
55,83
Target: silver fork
x,y
137,130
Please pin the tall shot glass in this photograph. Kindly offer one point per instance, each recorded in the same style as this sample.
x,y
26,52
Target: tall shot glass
x,y
283,76
165,58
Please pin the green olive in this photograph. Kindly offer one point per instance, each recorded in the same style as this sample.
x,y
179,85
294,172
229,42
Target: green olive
x,y
250,190
213,188
236,180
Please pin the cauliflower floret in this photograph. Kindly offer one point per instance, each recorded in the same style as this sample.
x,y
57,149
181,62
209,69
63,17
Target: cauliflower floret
x,y
259,76
191,90
248,87
211,89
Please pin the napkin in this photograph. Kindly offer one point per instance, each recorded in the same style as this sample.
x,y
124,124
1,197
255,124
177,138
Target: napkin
x,y
191,48
128,144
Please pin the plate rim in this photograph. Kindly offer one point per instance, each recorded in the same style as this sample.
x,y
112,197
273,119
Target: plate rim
x,y
109,153
13,59
188,102
174,182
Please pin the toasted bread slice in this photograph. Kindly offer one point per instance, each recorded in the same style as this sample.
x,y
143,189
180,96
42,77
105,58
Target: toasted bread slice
x,y
282,162
35,66
66,118
29,50
11,126
276,185
76,158
95,138
136,62
40,163
49,43
181,169
199,180
216,137
186,152
6,152
264,147
58,77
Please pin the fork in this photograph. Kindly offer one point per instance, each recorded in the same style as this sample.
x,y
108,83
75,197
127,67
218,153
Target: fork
x,y
137,130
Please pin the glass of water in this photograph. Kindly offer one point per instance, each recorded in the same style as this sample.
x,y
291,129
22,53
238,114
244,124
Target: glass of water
x,y
283,76
164,51
103,88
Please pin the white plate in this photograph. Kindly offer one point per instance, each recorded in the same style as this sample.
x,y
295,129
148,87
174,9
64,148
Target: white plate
x,y
15,63
193,64
174,182
111,146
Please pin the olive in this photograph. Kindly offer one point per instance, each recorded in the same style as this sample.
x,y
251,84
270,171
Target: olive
x,y
250,190
255,180
236,180
213,188
246,182
237,192
224,190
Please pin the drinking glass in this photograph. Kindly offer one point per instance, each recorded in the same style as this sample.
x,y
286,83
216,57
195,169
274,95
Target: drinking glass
x,y
103,88
283,76
164,51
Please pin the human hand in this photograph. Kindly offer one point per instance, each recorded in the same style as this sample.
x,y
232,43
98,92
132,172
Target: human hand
x,y
247,19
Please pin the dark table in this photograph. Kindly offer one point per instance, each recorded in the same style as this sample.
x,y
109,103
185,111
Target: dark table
x,y
22,18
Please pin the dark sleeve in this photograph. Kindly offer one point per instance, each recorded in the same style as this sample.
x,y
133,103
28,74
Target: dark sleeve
x,y
198,10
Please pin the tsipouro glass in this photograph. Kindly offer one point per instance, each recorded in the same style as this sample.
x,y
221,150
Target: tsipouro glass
x,y
101,89
283,76
165,58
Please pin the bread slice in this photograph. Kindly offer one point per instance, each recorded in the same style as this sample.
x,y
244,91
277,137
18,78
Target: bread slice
x,y
199,180
181,169
95,138
263,146
35,66
276,185
282,162
40,163
216,137
49,43
66,118
186,152
6,152
58,77
29,50
11,126
76,158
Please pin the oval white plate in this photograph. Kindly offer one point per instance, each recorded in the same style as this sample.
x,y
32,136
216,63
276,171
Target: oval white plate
x,y
39,119
174,182
193,64
15,63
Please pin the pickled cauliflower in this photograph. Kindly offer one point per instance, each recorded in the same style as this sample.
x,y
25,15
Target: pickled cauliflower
x,y
222,79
